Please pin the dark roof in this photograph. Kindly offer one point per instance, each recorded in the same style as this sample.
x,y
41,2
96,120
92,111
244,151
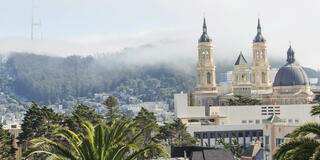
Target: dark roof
x,y
202,153
259,37
291,74
241,60
204,37
197,155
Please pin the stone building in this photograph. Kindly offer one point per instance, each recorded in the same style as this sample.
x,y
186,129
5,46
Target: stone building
x,y
241,84
290,86
206,89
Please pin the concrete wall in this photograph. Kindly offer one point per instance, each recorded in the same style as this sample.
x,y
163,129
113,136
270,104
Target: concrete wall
x,y
182,110
236,115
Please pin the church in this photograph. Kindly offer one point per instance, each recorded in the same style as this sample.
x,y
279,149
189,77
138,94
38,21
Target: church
x,y
290,86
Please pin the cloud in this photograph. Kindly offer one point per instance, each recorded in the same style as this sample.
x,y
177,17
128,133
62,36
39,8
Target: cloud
x,y
172,26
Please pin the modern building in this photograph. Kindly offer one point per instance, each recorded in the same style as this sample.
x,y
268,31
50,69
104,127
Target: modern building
x,y
242,122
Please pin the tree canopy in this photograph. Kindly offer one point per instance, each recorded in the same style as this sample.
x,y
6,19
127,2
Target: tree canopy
x,y
6,149
113,111
241,101
176,134
117,142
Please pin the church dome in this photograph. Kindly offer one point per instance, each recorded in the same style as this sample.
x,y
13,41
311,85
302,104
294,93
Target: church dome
x,y
291,74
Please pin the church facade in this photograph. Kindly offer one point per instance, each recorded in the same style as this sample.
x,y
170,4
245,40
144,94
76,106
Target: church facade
x,y
290,86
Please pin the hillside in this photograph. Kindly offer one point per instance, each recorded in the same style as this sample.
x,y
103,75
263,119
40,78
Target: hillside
x,y
50,80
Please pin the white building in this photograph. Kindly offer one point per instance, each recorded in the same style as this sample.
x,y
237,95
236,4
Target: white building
x,y
243,122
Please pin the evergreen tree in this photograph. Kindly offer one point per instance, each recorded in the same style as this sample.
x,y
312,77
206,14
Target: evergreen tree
x,y
38,121
145,118
6,149
235,147
113,111
176,134
241,100
80,114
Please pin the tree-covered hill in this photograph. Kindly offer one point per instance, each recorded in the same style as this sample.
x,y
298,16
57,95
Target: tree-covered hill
x,y
49,80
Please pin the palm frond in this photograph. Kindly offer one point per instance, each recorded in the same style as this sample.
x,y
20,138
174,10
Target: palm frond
x,y
295,147
308,128
315,110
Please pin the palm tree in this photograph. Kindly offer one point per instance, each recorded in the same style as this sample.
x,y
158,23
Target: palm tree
x,y
315,110
102,142
304,143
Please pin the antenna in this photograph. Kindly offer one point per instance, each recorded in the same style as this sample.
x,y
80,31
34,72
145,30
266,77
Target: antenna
x,y
36,30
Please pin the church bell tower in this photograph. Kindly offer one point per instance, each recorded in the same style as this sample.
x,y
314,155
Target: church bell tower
x,y
260,63
206,77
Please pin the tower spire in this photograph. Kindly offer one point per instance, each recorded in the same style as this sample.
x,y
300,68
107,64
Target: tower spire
x,y
259,26
204,37
204,25
259,37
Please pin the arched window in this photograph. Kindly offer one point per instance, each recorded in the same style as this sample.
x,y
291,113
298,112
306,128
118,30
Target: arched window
x,y
253,78
208,78
243,77
263,76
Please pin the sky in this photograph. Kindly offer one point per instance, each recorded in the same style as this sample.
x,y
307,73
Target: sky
x,y
172,27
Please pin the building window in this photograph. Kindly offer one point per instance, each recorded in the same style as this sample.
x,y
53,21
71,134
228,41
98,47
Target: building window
x,y
244,121
290,120
250,121
257,121
279,141
243,77
296,121
263,77
253,78
267,157
208,78
267,147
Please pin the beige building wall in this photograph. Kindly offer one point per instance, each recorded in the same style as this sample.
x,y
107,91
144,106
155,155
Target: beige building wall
x,y
260,66
274,135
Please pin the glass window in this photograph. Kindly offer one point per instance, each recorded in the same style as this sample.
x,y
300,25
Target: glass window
x,y
244,121
267,147
279,141
257,121
267,157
